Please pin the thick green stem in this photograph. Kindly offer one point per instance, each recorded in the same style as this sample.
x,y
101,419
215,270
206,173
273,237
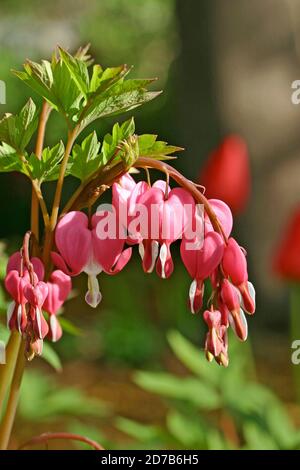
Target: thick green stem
x,y
13,399
7,369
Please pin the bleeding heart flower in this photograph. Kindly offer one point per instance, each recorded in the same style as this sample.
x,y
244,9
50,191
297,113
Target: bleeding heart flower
x,y
231,298
226,175
200,263
17,278
223,214
81,250
168,213
216,344
235,268
59,287
16,313
36,296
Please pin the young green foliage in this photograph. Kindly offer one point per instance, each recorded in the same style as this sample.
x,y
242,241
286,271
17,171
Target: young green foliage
x,y
85,159
47,168
17,130
67,85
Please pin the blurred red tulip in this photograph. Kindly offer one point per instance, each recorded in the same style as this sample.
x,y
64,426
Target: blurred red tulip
x,y
286,260
226,175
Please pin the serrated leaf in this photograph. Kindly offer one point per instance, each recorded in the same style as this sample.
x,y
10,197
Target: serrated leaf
x,y
10,161
113,140
152,148
103,80
85,159
65,92
128,128
17,130
39,77
54,82
47,169
118,99
78,70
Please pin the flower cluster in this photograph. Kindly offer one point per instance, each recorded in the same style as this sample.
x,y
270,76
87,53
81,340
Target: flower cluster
x,y
152,217
31,297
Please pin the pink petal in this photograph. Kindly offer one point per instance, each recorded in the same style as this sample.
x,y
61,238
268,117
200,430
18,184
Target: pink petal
x,y
223,214
234,263
73,240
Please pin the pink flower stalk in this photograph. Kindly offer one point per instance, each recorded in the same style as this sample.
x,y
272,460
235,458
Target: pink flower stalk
x,y
232,300
81,250
36,296
166,217
16,280
59,288
235,267
223,262
216,344
168,209
200,264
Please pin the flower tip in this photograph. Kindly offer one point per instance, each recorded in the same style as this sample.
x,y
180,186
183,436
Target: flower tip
x,y
93,299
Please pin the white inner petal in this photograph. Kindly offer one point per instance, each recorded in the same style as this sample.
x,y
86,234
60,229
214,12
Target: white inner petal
x,y
163,258
19,318
154,254
38,314
251,291
141,250
53,326
192,293
10,311
93,296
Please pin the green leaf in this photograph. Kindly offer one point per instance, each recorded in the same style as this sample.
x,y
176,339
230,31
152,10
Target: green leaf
x,y
118,99
191,357
128,128
187,389
141,432
103,80
188,430
51,356
69,327
85,159
54,82
39,77
65,92
17,130
10,161
47,169
78,70
152,148
42,399
280,425
257,438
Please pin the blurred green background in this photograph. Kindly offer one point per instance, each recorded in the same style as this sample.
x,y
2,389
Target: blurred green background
x,y
223,70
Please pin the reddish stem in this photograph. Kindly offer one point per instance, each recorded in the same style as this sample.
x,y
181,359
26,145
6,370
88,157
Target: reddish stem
x,y
47,436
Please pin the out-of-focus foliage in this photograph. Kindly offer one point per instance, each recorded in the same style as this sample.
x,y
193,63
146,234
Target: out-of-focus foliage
x,y
213,408
42,399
